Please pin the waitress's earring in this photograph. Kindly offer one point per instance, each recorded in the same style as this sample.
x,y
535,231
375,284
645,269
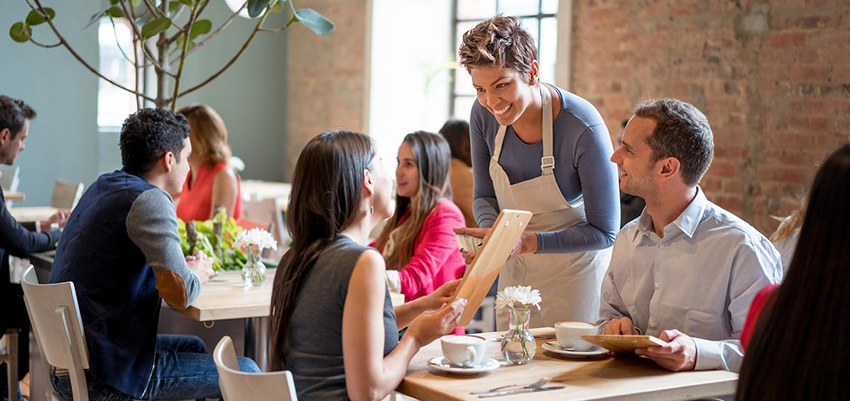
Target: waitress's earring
x,y
371,207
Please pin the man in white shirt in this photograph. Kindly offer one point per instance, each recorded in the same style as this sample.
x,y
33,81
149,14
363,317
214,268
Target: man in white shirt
x,y
686,270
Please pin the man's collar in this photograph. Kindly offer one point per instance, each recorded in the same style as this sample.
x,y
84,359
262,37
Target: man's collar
x,y
687,222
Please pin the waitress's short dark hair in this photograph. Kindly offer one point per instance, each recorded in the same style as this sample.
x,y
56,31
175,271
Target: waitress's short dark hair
x,y
499,42
147,135
681,131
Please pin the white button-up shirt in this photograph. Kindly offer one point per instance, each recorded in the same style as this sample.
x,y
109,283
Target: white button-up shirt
x,y
699,279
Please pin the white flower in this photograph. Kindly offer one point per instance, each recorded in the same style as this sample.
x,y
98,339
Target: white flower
x,y
524,295
258,237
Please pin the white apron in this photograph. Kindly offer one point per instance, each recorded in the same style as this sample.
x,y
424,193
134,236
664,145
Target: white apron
x,y
569,283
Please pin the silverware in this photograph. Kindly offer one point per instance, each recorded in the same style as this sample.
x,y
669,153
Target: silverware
x,y
519,391
540,383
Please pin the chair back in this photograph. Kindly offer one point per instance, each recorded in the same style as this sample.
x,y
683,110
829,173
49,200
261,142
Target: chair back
x,y
242,386
66,194
267,211
58,329
10,179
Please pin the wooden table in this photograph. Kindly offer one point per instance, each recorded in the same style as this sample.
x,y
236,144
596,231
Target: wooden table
x,y
623,378
258,190
14,196
32,213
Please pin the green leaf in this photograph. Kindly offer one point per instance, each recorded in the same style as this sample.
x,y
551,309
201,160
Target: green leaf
x,y
174,6
278,6
113,2
96,17
36,18
136,3
200,27
155,27
115,12
188,3
257,7
20,32
315,21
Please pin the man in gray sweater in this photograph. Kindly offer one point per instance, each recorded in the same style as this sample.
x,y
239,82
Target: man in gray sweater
x,y
122,251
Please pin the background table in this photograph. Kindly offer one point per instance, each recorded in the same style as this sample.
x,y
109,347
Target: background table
x,y
32,213
14,196
623,378
258,190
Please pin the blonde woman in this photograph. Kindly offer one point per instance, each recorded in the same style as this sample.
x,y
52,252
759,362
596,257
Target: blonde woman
x,y
211,182
417,242
786,235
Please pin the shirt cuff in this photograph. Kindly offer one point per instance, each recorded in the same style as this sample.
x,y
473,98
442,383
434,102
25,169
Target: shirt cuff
x,y
394,281
709,355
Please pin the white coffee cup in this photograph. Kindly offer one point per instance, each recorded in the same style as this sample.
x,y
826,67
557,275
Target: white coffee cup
x,y
569,335
466,351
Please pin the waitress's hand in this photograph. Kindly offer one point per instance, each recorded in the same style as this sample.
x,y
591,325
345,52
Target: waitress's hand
x,y
527,244
477,232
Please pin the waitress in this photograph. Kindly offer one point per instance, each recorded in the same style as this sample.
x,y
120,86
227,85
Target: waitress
x,y
539,148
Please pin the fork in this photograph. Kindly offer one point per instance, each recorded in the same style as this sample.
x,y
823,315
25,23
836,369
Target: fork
x,y
540,383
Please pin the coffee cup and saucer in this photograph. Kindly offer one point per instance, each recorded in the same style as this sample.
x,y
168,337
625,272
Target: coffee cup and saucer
x,y
463,354
568,334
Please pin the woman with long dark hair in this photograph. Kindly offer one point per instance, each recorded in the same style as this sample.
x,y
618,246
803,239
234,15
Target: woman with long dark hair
x,y
417,242
798,350
333,325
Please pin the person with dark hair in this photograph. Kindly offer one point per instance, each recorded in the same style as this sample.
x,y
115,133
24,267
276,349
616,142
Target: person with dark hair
x,y
631,206
122,252
686,270
539,148
417,242
796,350
18,239
333,324
456,133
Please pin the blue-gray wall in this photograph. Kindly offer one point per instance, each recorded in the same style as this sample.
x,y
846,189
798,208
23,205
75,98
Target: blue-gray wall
x,y
64,141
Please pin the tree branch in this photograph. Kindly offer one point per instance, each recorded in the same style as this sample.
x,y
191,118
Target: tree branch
x,y
145,50
192,17
233,60
219,29
77,56
44,45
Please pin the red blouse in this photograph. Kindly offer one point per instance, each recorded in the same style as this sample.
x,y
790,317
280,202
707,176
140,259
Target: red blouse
x,y
196,199
759,302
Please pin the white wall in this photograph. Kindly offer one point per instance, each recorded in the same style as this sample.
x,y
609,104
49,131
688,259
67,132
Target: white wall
x,y
408,37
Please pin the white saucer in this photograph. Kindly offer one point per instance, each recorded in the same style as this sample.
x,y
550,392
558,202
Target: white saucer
x,y
440,363
553,346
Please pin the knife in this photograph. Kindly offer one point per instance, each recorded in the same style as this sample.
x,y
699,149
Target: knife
x,y
518,391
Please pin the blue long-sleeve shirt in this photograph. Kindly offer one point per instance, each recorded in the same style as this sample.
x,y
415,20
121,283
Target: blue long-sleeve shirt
x,y
582,150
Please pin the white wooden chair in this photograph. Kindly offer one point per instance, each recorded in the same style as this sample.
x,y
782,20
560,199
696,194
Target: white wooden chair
x,y
58,329
9,180
267,211
66,194
10,357
242,386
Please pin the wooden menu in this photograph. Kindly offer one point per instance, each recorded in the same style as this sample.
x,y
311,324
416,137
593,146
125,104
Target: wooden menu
x,y
491,256
623,344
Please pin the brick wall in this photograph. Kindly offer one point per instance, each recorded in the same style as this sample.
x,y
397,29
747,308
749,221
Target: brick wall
x,y
773,77
326,76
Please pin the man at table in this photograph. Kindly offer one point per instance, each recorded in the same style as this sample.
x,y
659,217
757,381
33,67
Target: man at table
x,y
122,252
18,239
686,270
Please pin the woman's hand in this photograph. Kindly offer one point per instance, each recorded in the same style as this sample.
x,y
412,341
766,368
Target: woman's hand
x,y
429,326
442,295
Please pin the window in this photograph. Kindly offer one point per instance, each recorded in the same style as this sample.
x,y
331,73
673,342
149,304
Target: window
x,y
538,17
115,104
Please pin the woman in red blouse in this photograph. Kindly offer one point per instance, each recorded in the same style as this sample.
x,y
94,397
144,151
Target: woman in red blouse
x,y
211,182
417,242
798,349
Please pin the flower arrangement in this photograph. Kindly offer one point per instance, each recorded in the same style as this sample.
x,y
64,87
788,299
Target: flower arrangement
x,y
515,344
254,241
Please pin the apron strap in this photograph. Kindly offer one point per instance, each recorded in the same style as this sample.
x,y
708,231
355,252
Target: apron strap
x,y
500,139
547,162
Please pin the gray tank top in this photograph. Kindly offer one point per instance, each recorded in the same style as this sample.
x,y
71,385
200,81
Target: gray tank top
x,y
314,351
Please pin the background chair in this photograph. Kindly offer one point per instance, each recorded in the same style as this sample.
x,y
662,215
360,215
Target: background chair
x,y
10,358
241,386
267,211
66,194
58,329
9,180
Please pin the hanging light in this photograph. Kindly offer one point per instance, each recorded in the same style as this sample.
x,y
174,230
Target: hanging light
x,y
234,5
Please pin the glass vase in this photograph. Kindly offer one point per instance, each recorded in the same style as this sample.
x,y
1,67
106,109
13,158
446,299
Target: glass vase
x,y
518,345
254,272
